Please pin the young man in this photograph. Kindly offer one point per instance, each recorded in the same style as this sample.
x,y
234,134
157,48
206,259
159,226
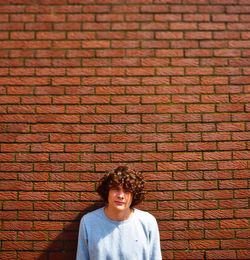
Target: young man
x,y
118,231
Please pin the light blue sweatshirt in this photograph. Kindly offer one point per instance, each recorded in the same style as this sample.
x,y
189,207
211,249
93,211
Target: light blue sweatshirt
x,y
101,238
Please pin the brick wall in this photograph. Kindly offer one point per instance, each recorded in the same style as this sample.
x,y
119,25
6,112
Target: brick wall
x,y
160,85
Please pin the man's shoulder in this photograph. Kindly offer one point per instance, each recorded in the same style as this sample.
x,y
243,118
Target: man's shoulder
x,y
144,215
93,215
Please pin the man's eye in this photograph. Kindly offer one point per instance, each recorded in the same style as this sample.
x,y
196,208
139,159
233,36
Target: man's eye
x,y
115,189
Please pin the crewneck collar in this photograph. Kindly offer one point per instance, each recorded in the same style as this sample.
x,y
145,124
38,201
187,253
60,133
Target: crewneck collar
x,y
119,221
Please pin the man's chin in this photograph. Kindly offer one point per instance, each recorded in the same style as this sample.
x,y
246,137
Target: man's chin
x,y
120,207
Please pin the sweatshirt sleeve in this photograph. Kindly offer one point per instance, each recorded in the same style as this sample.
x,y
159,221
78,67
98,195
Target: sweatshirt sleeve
x,y
82,246
155,246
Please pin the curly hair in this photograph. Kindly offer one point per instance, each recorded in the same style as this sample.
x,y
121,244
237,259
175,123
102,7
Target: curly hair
x,y
130,180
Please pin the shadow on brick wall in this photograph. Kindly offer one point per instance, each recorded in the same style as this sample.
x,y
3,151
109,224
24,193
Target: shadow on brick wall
x,y
64,246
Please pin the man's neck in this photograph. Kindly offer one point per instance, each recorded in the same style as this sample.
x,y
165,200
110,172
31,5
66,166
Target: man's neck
x,y
117,215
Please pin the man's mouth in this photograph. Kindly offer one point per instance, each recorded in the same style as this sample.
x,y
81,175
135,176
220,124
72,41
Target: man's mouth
x,y
119,202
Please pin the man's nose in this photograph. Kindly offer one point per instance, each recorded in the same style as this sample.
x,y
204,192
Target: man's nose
x,y
120,194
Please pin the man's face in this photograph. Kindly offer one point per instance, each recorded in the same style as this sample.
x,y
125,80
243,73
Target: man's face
x,y
119,199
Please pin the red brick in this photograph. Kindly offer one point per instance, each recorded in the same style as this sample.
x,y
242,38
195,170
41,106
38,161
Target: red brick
x,y
36,215
242,213
48,186
123,138
94,157
17,225
170,128
202,185
169,53
190,175
236,164
243,254
174,245
8,215
217,156
61,216
171,147
233,184
8,195
33,196
169,35
47,225
234,244
32,234
188,255
225,136
17,245
182,26
171,166
125,118
203,204
124,157
243,234
190,234
110,109
204,244
15,185
201,224
47,205
214,61
167,205
170,71
172,108
218,214
18,205
40,167
221,254
234,223
128,62
196,127
188,214
78,167
218,194
8,235
190,156
28,157
179,118
240,203
240,136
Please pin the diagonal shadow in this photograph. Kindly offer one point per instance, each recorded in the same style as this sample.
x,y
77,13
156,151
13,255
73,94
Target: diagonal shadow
x,y
64,246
